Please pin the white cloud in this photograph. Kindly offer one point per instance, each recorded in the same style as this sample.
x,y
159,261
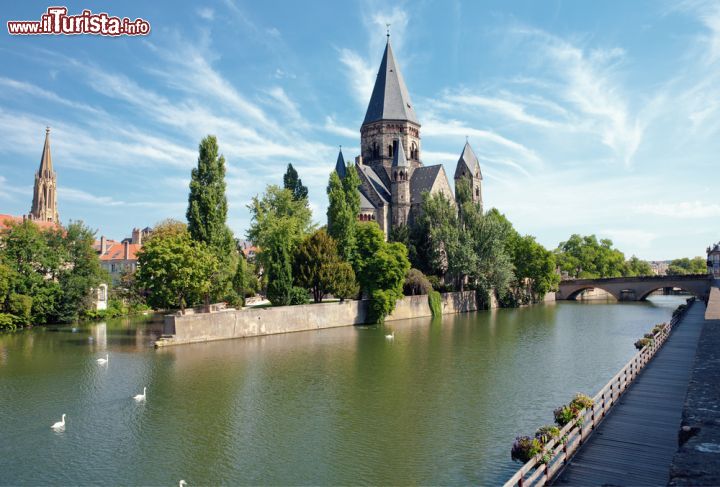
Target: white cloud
x,y
360,74
630,238
683,209
510,109
206,13
332,126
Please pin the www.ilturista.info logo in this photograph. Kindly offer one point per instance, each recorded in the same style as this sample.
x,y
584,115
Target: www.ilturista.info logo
x,y
57,22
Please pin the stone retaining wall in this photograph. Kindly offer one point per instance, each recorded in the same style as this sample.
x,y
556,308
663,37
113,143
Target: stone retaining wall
x,y
180,329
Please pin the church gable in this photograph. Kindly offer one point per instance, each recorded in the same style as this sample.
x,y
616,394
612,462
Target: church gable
x,y
432,179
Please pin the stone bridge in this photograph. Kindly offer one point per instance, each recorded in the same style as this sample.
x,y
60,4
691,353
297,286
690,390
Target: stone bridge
x,y
636,288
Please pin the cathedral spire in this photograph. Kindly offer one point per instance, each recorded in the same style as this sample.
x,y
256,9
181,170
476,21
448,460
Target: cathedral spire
x,y
390,99
44,204
46,167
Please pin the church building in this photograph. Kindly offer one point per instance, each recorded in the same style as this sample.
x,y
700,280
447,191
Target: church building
x,y
44,203
390,165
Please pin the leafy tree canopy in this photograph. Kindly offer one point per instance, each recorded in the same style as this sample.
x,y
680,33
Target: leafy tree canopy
x,y
292,182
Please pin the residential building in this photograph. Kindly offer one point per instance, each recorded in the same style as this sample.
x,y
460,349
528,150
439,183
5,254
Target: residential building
x,y
713,260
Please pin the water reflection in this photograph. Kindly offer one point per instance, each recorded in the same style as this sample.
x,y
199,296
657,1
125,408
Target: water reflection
x,y
439,404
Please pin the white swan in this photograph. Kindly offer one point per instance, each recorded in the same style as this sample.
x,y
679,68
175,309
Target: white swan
x,y
140,397
105,360
391,336
60,425
182,483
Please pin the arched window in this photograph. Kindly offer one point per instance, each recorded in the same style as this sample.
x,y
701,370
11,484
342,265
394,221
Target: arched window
x,y
390,150
413,151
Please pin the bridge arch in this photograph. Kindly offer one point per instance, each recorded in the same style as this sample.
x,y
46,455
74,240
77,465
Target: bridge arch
x,y
574,293
698,293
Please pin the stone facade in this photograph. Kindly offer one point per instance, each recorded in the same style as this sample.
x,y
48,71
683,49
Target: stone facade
x,y
44,204
392,175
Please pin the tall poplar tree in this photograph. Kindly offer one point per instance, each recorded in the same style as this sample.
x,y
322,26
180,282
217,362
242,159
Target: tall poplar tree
x,y
207,214
343,211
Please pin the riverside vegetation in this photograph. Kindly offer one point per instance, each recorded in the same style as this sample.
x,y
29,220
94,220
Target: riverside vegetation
x,y
48,276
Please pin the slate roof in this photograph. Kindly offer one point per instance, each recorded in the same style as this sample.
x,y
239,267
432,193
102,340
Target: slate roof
x,y
390,99
467,163
422,180
399,156
365,203
340,165
376,183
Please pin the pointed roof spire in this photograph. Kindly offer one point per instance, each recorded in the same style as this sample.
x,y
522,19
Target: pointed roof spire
x,y
390,99
468,163
46,167
340,167
399,159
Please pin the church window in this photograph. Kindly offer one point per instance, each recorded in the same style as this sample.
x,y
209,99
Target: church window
x,y
390,150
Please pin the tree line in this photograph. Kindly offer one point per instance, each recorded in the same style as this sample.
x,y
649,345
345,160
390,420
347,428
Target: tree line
x,y
49,276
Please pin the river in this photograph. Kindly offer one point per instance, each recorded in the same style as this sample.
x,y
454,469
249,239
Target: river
x,y
439,404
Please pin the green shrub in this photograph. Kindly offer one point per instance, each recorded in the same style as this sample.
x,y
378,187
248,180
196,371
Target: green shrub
x,y
546,433
581,401
643,342
382,303
7,322
524,448
299,295
434,282
20,306
660,327
416,283
564,415
434,303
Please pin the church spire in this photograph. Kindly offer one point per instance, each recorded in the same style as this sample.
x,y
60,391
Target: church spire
x,y
390,99
46,167
44,204
340,167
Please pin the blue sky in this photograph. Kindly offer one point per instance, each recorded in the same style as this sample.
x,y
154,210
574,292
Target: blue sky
x,y
587,117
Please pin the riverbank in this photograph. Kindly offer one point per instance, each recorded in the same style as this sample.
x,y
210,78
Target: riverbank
x,y
697,461
248,322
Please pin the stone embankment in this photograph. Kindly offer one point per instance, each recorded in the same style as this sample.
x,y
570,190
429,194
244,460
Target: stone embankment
x,y
248,322
697,461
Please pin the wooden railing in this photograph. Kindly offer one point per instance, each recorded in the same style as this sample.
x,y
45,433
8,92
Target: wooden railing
x,y
540,469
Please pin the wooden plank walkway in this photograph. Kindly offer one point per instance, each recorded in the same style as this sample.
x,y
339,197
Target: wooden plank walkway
x,y
636,442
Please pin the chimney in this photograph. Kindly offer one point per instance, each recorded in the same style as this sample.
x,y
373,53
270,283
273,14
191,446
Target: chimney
x,y
126,248
136,236
103,245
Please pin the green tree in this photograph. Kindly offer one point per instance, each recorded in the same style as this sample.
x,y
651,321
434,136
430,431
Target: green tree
x,y
535,267
685,266
637,267
313,255
380,269
340,280
292,182
174,269
80,273
207,214
344,210
586,257
279,223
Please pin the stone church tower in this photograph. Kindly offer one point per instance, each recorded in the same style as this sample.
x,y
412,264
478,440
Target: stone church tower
x,y
390,118
400,187
44,204
468,167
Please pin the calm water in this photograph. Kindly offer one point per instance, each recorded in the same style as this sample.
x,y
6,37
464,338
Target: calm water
x,y
441,404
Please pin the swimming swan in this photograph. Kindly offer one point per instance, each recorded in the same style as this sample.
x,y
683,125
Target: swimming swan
x,y
105,360
140,397
60,425
391,336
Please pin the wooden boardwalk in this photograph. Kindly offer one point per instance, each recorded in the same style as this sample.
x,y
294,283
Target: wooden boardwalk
x,y
636,442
